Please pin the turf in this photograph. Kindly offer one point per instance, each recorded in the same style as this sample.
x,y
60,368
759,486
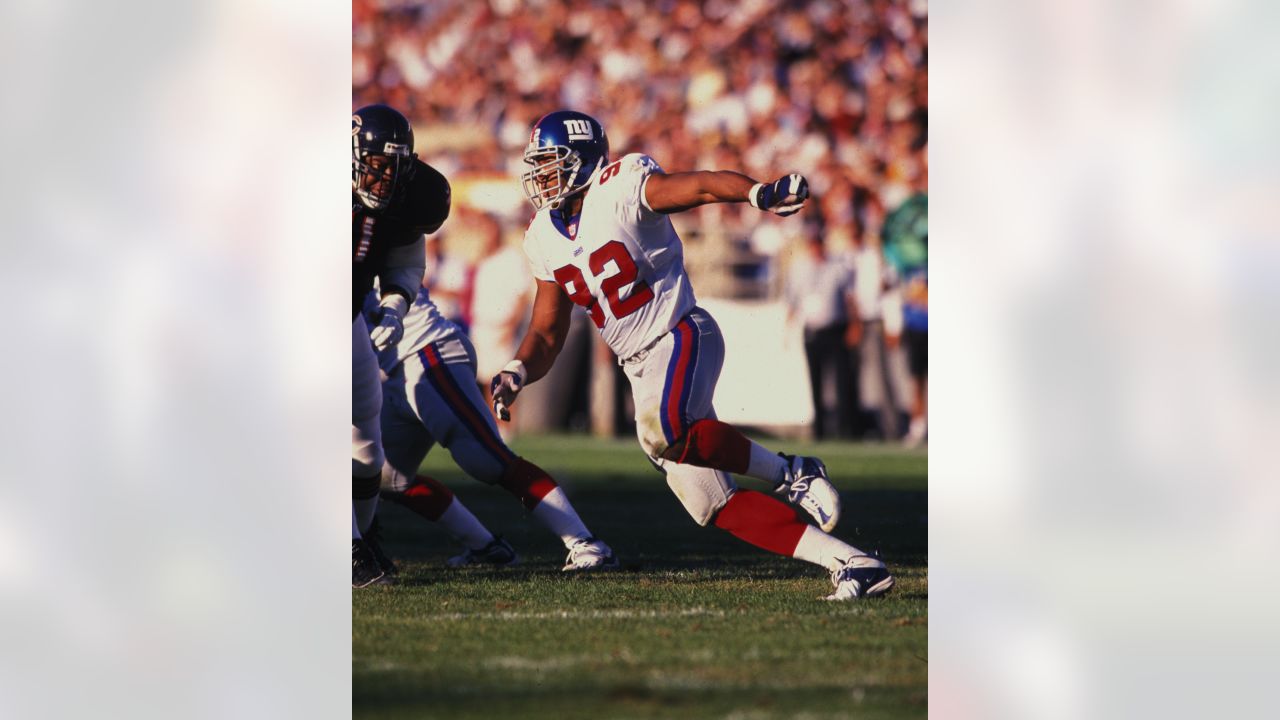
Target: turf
x,y
696,624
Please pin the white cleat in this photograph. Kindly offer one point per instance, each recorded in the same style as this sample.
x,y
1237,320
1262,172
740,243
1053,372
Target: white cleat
x,y
589,554
809,488
860,576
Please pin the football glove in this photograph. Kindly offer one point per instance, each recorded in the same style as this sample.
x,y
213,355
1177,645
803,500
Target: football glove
x,y
784,196
391,325
505,386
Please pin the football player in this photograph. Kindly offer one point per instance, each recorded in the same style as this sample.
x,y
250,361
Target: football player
x,y
396,199
601,238
430,396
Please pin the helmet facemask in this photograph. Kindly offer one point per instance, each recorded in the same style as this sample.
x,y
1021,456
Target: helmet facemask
x,y
376,177
550,179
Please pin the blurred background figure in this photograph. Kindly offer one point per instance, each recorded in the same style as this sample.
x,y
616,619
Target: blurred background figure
x,y
819,296
501,296
906,239
448,278
837,91
876,388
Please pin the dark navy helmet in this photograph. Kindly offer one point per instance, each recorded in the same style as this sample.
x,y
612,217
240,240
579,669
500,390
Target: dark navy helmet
x,y
381,154
565,149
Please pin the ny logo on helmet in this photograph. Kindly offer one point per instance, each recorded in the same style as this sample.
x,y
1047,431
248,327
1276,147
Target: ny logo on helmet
x,y
578,129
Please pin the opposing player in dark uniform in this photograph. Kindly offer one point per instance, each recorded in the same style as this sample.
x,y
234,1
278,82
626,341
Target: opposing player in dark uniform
x,y
396,199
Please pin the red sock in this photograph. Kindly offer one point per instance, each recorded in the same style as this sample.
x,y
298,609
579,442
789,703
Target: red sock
x,y
763,521
527,481
713,444
426,496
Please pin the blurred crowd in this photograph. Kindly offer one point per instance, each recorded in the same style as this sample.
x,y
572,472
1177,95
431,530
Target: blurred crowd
x,y
836,90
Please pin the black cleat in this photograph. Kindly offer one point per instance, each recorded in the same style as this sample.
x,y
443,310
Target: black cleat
x,y
373,538
498,552
365,569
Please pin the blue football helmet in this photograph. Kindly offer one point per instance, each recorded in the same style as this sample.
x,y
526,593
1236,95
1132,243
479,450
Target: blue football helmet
x,y
381,154
565,149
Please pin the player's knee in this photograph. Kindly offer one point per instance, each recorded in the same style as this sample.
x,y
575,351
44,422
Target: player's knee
x,y
673,451
367,460
425,496
480,466
710,443
423,488
367,456
702,492
657,447
687,440
394,480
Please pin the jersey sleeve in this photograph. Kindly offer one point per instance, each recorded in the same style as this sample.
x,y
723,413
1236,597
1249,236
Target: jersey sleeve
x,y
404,269
431,198
626,185
537,263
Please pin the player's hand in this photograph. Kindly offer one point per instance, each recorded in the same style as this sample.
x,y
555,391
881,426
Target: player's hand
x,y
391,326
505,386
784,196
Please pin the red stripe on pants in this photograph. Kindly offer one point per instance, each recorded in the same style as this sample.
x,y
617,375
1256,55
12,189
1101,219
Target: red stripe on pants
x,y
674,417
464,410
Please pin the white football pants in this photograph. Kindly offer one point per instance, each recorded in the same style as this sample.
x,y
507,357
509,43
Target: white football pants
x,y
432,398
672,385
366,401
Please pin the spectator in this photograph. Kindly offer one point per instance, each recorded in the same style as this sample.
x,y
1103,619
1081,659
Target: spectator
x,y
820,295
827,89
875,383
906,242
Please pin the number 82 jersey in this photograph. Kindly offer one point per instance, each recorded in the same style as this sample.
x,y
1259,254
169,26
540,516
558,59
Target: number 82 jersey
x,y
621,261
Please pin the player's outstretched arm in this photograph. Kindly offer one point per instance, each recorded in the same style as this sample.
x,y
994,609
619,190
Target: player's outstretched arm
x,y
548,328
683,191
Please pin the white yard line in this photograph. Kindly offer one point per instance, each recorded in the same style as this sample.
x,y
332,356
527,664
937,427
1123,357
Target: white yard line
x,y
574,614
620,614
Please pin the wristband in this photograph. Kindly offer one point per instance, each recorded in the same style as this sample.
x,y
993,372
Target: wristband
x,y
395,302
753,195
515,367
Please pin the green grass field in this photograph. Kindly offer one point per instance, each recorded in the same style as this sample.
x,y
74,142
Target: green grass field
x,y
696,624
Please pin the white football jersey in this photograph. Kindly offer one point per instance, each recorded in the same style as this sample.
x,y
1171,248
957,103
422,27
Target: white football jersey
x,y
623,262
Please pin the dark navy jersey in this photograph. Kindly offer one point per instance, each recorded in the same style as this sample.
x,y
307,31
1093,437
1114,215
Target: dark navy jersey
x,y
420,209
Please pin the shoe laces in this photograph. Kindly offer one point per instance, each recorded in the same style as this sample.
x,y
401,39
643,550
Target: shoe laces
x,y
586,545
843,573
797,489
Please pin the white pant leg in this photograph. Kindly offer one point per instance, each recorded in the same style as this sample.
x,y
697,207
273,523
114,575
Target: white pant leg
x,y
405,439
674,384
366,402
443,393
702,491
672,387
